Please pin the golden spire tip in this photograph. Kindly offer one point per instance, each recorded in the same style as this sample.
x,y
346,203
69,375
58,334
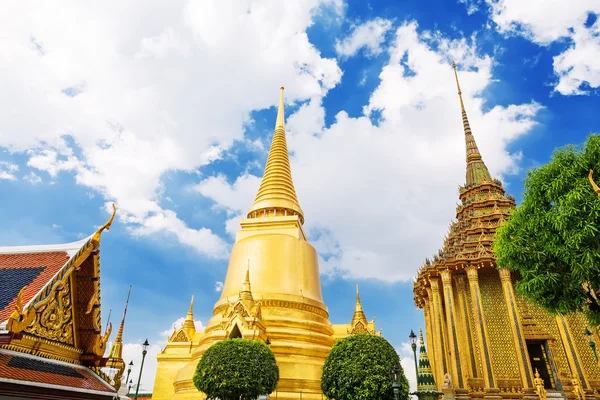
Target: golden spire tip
x,y
462,106
280,113
191,305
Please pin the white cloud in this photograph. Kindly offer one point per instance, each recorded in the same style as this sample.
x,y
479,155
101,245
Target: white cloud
x,y
33,178
378,199
369,35
218,286
7,171
472,5
561,20
581,62
169,93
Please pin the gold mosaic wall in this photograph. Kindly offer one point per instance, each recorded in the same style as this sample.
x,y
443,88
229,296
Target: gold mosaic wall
x,y
577,324
502,346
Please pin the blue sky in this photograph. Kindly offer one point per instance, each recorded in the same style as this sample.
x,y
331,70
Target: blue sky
x,y
171,118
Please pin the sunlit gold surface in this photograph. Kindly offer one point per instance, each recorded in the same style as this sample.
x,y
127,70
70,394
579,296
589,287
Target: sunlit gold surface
x,y
479,332
272,291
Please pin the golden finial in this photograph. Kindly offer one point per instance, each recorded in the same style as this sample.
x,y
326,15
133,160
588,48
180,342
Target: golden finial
x,y
594,185
120,333
357,295
188,324
246,292
191,306
462,106
107,225
280,123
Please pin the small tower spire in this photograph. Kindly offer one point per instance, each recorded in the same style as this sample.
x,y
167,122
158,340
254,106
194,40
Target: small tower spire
x,y
425,381
477,172
115,358
276,195
359,314
117,347
246,293
188,324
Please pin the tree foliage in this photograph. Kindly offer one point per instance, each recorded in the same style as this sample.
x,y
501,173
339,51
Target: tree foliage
x,y
237,369
552,239
359,367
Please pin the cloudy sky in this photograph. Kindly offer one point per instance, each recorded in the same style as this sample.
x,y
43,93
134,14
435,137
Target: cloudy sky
x,y
167,109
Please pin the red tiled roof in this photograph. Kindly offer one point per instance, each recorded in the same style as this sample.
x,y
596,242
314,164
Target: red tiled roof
x,y
39,370
51,262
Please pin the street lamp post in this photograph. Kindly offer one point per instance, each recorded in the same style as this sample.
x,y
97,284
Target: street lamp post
x,y
129,387
128,371
144,352
396,381
413,344
590,338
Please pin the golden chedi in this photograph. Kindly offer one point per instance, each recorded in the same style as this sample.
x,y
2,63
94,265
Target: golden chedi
x,y
272,292
484,339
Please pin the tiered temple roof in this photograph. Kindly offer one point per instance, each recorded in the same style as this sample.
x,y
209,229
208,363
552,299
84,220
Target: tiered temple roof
x,y
483,207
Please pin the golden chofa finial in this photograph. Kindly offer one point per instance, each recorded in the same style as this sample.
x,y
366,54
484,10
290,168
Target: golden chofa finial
x,y
280,123
462,106
107,225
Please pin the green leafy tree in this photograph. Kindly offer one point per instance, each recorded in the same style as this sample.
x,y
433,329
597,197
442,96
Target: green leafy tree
x,y
237,369
360,367
552,239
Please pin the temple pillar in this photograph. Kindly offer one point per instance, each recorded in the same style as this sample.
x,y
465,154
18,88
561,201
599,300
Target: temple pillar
x,y
463,306
517,334
428,334
482,336
458,379
573,355
438,327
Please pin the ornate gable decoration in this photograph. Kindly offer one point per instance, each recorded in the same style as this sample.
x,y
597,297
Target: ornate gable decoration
x,y
248,317
64,288
179,336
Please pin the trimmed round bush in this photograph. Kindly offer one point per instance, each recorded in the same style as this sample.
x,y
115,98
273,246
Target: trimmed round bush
x,y
360,367
237,369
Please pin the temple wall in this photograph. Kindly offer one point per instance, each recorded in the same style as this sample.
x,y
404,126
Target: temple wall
x,y
503,354
578,325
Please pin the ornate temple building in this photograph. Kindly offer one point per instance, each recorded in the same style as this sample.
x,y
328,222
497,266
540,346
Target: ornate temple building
x,y
484,339
52,345
272,292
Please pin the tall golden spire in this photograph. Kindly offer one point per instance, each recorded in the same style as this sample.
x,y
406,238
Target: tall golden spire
x,y
359,314
477,172
276,195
